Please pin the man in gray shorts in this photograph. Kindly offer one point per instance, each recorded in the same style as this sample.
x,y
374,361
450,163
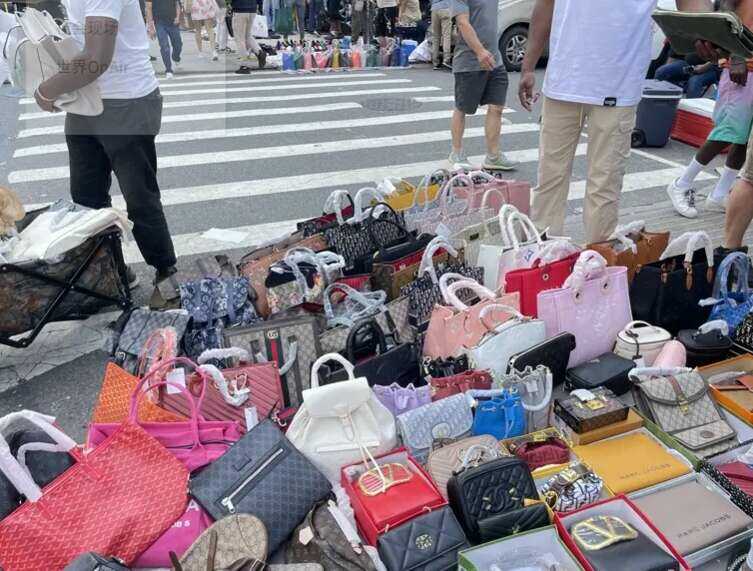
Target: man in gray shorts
x,y
480,79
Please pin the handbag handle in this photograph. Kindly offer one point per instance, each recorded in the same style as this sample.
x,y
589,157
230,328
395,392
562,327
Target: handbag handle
x,y
504,213
20,478
237,399
622,234
358,327
637,372
497,306
739,262
553,251
590,265
529,228
469,454
446,191
427,259
369,303
160,346
358,206
371,221
326,263
548,388
450,295
347,365
444,283
226,353
424,185
693,241
716,324
335,204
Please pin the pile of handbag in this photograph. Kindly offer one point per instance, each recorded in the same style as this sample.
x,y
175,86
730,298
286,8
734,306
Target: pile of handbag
x,y
417,378
341,54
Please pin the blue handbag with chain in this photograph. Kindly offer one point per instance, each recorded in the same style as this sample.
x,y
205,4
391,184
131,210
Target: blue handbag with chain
x,y
502,417
732,303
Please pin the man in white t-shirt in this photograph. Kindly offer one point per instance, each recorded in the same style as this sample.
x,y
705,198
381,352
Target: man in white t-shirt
x,y
115,55
598,58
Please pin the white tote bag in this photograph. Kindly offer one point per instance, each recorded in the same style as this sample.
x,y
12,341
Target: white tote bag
x,y
341,423
260,29
41,54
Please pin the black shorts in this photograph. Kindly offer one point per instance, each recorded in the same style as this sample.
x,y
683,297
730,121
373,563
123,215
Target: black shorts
x,y
474,89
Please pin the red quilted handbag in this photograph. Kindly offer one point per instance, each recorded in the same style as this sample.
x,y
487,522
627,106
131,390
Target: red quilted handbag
x,y
260,381
531,281
117,499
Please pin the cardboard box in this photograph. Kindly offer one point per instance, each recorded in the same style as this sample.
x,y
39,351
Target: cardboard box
x,y
742,404
632,422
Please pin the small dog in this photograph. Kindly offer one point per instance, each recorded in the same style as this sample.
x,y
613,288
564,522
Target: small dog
x,y
11,211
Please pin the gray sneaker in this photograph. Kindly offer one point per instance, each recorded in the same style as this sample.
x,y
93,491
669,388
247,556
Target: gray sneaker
x,y
459,160
499,163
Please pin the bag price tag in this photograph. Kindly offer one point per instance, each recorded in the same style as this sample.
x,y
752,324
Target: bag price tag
x,y
252,417
583,395
305,536
178,377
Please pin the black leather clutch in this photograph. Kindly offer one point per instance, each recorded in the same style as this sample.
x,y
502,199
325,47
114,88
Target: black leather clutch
x,y
607,370
639,554
512,522
553,353
705,348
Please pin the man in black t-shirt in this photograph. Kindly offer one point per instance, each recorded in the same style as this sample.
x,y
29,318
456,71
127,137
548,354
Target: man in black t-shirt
x,y
162,18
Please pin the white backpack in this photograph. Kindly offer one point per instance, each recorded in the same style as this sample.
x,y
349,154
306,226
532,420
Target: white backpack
x,y
35,51
341,423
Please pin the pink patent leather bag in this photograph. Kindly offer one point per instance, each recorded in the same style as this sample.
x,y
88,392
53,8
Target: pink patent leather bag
x,y
672,355
196,443
457,325
593,305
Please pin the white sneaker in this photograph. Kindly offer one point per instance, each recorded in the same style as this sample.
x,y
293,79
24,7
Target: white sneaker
x,y
714,205
459,161
682,199
169,75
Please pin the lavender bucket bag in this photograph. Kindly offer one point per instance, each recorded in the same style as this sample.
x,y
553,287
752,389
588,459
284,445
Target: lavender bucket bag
x,y
399,399
593,305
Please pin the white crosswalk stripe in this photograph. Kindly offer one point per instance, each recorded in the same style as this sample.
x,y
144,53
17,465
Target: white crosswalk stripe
x,y
351,127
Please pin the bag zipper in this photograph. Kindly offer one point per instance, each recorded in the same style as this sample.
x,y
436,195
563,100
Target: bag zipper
x,y
227,501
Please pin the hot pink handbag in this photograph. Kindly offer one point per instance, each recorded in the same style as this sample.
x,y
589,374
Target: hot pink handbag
x,y
593,305
457,325
672,355
196,443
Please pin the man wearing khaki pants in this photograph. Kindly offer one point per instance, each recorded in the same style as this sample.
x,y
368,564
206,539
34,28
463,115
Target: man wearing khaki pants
x,y
598,57
441,34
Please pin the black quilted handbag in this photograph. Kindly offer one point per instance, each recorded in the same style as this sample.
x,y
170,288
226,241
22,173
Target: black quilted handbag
x,y
265,475
493,491
429,542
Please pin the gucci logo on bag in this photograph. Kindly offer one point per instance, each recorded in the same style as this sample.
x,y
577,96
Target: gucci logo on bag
x,y
424,542
274,334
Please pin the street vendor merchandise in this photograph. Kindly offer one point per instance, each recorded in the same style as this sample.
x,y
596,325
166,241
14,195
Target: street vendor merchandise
x,y
405,383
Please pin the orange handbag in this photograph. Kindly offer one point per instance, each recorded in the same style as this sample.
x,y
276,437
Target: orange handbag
x,y
114,400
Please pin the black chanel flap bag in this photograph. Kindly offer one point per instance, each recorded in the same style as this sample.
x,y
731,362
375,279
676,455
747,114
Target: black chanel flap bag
x,y
429,542
489,490
265,475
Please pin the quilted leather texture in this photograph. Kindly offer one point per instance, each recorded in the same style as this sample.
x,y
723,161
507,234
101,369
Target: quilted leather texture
x,y
512,522
493,488
266,394
595,317
255,266
273,340
697,422
427,542
267,477
238,536
444,462
124,496
448,418
114,400
329,545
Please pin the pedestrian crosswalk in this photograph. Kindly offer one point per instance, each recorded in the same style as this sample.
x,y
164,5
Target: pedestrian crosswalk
x,y
255,154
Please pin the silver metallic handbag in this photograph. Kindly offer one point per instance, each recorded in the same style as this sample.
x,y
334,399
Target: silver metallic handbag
x,y
678,401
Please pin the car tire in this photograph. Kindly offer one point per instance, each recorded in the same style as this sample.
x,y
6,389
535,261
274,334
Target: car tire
x,y
513,45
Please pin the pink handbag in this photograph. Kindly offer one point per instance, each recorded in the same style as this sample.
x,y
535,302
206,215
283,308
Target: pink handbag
x,y
517,193
457,325
196,443
672,355
593,305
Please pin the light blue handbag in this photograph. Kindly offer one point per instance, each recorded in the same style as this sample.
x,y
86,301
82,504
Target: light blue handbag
x,y
732,304
502,417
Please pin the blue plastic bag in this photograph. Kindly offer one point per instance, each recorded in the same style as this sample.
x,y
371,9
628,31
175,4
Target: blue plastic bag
x,y
732,305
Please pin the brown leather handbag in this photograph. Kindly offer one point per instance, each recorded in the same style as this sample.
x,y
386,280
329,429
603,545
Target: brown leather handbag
x,y
632,246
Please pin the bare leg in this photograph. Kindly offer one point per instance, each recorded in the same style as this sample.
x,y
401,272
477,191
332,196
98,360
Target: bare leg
x,y
458,129
493,129
710,150
739,214
736,157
